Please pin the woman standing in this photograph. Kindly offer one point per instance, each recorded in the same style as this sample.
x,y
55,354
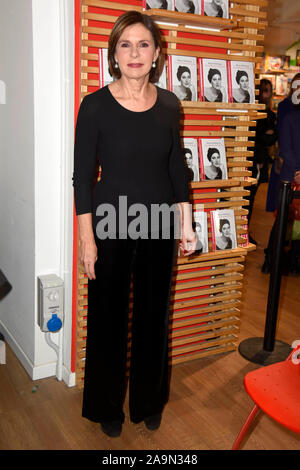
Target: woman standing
x,y
265,137
130,128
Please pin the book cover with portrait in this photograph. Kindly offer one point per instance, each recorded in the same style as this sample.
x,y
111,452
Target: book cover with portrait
x,y
216,8
213,84
223,232
158,4
191,157
281,87
241,87
188,6
200,227
212,159
104,76
182,74
162,82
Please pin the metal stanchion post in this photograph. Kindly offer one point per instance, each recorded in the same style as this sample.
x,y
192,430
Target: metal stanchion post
x,y
267,350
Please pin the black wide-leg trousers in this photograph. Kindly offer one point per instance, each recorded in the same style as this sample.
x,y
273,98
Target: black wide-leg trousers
x,y
151,263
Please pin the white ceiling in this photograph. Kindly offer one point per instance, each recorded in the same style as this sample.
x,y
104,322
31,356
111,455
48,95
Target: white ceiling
x,y
284,25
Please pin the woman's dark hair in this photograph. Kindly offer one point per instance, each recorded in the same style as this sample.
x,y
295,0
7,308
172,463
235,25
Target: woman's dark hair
x,y
128,19
240,74
182,69
222,223
210,153
213,72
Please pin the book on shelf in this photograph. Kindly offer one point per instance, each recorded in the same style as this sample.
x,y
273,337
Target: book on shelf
x,y
158,4
213,81
281,88
188,6
200,227
104,76
212,159
223,231
216,8
241,85
162,82
182,74
190,152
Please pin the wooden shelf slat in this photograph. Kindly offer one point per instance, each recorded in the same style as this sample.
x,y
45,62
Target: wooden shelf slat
x,y
191,19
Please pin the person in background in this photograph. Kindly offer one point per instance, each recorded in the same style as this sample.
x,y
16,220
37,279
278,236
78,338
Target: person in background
x,y
265,137
284,108
289,144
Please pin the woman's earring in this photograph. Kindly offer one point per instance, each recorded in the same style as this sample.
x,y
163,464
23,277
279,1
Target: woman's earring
x,y
153,65
116,65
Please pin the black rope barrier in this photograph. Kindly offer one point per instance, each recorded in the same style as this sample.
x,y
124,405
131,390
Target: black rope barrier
x,y
268,350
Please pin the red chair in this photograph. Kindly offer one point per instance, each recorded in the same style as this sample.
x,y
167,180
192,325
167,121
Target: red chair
x,y
275,390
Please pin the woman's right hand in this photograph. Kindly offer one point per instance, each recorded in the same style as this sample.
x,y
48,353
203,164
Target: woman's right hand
x,y
88,257
88,247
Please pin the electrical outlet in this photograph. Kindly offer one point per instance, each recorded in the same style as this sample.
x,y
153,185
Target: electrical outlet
x,y
51,302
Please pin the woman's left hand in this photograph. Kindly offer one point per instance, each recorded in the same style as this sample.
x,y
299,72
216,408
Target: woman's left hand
x,y
188,243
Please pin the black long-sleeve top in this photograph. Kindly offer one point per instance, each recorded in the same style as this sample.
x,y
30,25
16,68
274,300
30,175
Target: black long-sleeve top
x,y
139,153
289,144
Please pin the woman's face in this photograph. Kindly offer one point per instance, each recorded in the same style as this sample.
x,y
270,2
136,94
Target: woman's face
x,y
226,230
135,51
185,79
215,159
244,82
216,81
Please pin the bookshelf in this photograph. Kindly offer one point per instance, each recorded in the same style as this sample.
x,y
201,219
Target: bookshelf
x,y
207,289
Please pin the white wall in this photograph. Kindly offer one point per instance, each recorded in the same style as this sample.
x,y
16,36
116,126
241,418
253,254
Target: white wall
x,y
17,231
46,47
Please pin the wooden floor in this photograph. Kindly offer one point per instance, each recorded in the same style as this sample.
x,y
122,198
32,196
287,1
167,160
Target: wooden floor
x,y
207,404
